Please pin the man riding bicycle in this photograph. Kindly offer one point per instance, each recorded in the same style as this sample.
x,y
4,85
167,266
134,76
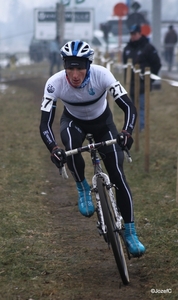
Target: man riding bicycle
x,y
83,87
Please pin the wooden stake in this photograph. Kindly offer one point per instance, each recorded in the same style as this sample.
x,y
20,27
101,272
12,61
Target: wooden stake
x,y
137,104
128,75
177,180
147,113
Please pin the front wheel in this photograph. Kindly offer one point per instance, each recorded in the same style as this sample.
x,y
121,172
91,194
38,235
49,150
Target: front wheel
x,y
113,235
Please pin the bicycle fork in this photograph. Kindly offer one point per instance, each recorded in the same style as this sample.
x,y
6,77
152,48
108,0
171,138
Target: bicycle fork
x,y
118,218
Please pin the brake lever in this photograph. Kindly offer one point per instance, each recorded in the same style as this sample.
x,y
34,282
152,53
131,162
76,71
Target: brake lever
x,y
128,156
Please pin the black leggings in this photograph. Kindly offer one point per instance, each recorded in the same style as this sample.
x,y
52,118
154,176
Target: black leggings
x,y
73,132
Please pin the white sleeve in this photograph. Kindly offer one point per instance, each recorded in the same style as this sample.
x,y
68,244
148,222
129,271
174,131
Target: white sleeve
x,y
49,96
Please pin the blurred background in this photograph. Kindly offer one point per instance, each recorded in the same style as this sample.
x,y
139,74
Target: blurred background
x,y
28,27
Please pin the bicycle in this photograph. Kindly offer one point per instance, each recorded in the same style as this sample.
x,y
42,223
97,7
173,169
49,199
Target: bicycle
x,y
109,222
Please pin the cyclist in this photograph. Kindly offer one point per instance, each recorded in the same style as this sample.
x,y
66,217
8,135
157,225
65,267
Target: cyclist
x,y
82,87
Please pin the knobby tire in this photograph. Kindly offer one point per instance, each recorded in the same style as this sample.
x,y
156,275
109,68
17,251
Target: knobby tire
x,y
113,235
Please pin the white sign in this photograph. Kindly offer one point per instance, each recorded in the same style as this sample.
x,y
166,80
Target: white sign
x,y
79,23
45,24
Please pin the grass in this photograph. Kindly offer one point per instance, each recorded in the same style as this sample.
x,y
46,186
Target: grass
x,y
24,221
155,193
40,254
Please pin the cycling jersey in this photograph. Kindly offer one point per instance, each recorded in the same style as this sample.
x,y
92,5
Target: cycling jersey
x,y
86,103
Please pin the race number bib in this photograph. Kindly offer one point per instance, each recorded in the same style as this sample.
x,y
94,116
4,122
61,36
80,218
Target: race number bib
x,y
116,90
46,104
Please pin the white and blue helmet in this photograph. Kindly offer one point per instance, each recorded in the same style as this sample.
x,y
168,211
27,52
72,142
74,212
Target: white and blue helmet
x,y
78,49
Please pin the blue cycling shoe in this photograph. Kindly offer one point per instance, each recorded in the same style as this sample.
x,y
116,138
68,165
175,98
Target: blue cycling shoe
x,y
85,203
135,247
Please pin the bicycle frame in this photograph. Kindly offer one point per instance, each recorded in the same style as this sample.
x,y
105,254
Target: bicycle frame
x,y
93,149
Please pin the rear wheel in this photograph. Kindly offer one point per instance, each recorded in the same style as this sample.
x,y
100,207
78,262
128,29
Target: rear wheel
x,y
113,235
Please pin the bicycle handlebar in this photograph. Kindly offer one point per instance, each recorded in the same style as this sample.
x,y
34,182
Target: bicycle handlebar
x,y
89,147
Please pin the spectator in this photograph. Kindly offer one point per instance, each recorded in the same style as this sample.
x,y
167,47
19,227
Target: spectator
x,y
170,41
143,53
54,55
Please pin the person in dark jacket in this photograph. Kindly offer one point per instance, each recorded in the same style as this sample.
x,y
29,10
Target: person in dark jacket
x,y
142,52
54,55
170,41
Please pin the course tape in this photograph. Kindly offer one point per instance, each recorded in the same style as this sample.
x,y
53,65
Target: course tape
x,y
109,62
152,76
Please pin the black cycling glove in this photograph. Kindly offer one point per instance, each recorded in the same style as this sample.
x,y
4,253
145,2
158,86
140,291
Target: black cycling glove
x,y
124,139
58,157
